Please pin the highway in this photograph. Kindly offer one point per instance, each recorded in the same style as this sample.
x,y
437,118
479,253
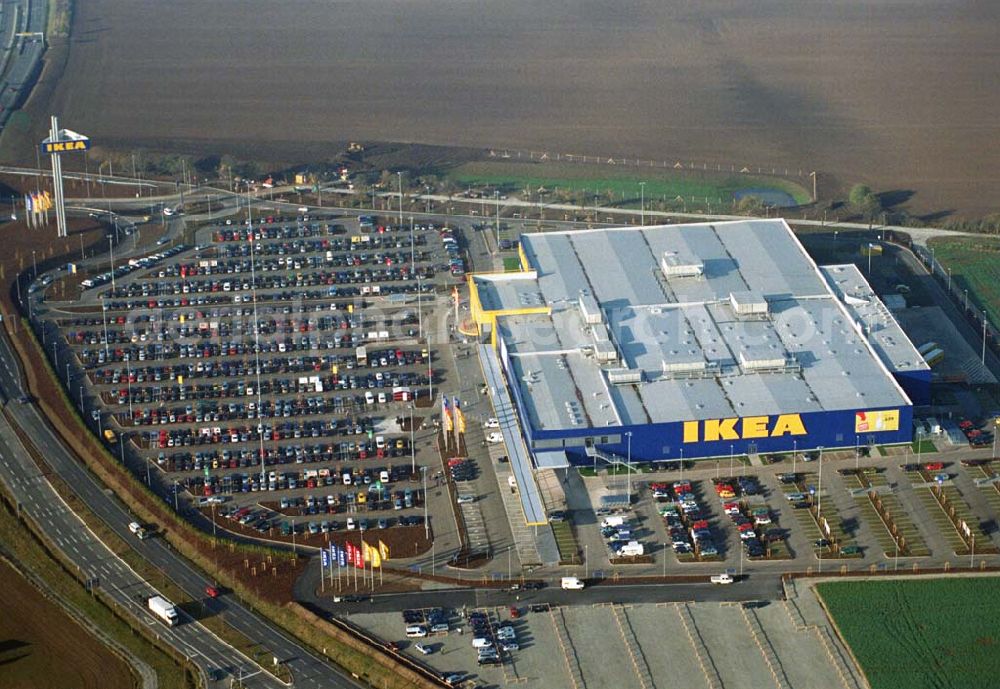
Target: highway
x,y
39,499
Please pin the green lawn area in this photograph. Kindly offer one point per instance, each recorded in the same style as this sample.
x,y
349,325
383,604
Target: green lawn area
x,y
511,264
619,186
975,265
921,446
926,634
569,549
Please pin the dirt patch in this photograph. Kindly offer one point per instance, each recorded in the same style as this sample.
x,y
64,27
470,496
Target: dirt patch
x,y
402,541
42,648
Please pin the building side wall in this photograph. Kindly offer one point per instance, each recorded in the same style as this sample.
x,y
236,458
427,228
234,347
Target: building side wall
x,y
916,385
665,441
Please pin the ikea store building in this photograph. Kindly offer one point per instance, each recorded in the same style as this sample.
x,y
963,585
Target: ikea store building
x,y
691,341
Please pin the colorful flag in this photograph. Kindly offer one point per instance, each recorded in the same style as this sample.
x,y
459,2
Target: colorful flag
x,y
350,553
446,416
366,551
376,558
324,558
459,417
383,550
28,206
46,201
341,556
359,560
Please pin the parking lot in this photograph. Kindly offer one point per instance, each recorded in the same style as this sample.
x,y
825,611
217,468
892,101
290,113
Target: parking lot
x,y
708,645
278,379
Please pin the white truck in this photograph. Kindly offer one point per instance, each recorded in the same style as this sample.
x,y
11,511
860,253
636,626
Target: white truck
x,y
612,521
721,579
163,609
572,583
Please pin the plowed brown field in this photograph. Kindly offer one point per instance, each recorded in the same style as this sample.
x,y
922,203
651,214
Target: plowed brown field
x,y
900,94
42,648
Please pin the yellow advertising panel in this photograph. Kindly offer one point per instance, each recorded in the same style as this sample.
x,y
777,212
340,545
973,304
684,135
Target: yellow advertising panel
x,y
875,421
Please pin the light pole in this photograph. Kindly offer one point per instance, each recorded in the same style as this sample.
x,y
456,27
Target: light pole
x,y
949,280
819,490
586,561
413,449
399,177
427,526
496,196
628,465
984,338
795,452
730,460
642,203
966,299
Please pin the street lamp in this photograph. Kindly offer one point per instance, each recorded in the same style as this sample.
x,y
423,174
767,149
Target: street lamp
x,y
984,338
496,196
399,176
427,526
966,299
628,465
413,449
642,203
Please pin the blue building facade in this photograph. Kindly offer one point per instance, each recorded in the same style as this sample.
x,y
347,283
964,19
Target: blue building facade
x,y
691,439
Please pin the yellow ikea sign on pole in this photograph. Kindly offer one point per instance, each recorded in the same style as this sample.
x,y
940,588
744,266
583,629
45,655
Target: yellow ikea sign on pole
x,y
65,146
746,428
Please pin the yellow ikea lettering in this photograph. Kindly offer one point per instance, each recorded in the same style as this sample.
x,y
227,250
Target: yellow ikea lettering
x,y
721,429
788,424
750,427
690,431
755,427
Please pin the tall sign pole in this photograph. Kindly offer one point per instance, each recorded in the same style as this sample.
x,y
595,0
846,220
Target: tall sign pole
x,y
57,182
58,142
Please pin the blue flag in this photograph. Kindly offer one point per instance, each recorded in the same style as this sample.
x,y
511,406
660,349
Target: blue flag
x,y
341,556
325,556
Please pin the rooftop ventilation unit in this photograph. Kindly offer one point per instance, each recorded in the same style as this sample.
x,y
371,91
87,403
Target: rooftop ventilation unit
x,y
624,376
590,309
680,367
748,303
674,266
605,351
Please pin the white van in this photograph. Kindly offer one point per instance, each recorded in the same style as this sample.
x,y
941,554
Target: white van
x,y
612,522
572,583
631,549
416,631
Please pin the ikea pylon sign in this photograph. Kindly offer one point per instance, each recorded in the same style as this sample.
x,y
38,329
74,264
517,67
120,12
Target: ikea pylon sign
x,y
65,146
745,428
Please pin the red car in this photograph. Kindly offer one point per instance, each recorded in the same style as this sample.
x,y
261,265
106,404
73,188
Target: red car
x,y
934,466
212,591
514,612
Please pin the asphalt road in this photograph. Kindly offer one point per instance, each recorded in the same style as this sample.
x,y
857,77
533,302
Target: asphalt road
x,y
114,576
753,587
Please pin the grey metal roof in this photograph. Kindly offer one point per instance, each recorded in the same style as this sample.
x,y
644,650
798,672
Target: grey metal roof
x,y
699,358
884,333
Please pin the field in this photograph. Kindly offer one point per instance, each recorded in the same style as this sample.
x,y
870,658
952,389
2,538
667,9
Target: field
x,y
620,186
40,647
932,634
975,265
894,94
